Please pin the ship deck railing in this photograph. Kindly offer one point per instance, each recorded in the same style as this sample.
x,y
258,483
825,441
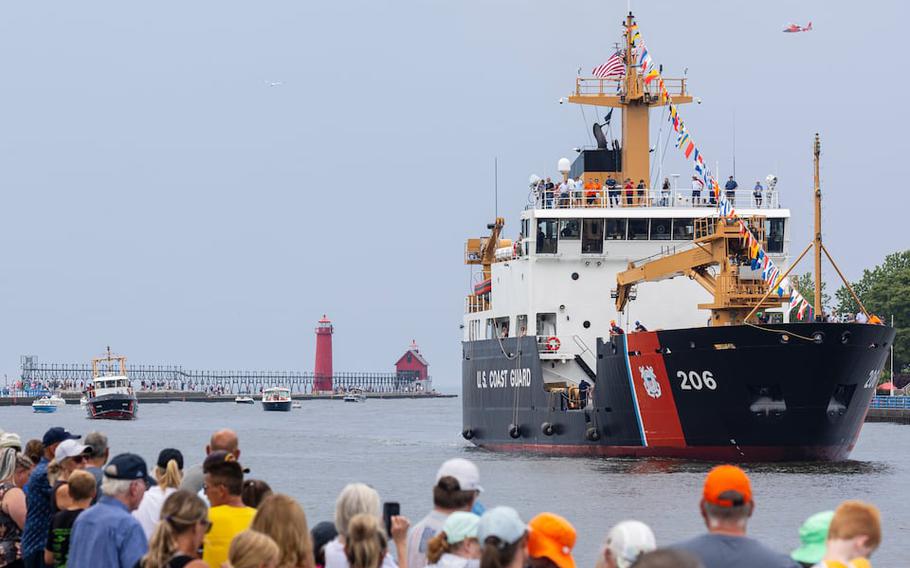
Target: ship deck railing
x,y
648,198
615,87
474,304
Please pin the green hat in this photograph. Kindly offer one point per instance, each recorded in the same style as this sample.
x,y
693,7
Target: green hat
x,y
812,536
459,526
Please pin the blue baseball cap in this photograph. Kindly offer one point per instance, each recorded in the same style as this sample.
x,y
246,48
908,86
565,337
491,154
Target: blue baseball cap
x,y
127,466
56,435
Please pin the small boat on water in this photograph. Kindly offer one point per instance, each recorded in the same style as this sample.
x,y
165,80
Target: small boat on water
x,y
47,404
276,399
244,400
296,405
110,395
355,395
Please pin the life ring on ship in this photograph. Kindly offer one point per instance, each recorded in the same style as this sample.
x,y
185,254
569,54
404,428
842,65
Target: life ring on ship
x,y
553,343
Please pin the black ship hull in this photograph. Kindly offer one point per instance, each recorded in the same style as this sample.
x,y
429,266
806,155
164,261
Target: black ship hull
x,y
277,405
113,407
797,392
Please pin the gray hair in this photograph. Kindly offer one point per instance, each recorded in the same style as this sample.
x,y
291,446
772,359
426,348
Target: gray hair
x,y
354,499
114,487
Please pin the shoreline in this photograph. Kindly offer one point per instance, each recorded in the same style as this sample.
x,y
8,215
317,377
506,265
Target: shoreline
x,y
164,397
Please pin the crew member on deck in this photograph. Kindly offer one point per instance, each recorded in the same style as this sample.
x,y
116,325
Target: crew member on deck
x,y
615,329
612,191
639,328
697,186
583,387
730,189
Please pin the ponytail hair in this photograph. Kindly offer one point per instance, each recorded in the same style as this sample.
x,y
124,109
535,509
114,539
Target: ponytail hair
x,y
170,476
8,462
437,546
251,549
365,544
180,513
498,553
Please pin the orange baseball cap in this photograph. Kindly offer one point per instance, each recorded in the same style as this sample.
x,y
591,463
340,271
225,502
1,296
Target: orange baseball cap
x,y
727,486
551,536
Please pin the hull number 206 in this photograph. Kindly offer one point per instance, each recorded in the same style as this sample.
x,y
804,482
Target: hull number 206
x,y
693,380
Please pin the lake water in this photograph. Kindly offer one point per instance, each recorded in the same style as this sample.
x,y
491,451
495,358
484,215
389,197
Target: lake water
x,y
397,445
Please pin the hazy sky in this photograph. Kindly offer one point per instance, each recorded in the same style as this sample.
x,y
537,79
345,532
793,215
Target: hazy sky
x,y
160,197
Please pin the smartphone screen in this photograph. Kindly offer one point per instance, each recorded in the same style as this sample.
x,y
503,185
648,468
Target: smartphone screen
x,y
389,510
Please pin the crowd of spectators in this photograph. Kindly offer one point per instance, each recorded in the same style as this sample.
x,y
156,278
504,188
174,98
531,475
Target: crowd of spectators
x,y
211,515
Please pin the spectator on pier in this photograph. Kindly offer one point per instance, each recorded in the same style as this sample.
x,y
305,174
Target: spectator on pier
x,y
456,545
697,186
726,506
176,541
97,457
254,491
106,534
854,534
223,440
503,539
283,519
550,542
38,498
669,558
457,487
252,549
323,533
356,499
366,545
81,489
68,457
13,472
812,536
626,542
168,474
730,189
223,482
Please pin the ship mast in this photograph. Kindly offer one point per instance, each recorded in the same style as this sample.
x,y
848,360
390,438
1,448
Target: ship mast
x,y
817,197
635,99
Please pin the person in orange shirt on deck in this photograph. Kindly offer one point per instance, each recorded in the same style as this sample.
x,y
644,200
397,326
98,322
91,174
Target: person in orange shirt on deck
x,y
591,192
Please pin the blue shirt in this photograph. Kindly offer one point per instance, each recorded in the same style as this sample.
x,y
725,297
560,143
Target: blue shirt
x,y
39,514
106,535
723,551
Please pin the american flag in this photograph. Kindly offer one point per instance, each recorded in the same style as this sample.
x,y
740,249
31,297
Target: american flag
x,y
614,67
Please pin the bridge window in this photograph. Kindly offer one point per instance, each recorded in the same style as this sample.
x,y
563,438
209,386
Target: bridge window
x,y
683,229
546,324
569,229
638,229
776,235
546,236
592,239
616,229
660,229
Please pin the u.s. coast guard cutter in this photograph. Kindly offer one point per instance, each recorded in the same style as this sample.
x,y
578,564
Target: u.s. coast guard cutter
x,y
723,374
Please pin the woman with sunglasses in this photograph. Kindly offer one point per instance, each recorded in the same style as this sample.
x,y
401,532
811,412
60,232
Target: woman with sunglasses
x,y
178,536
14,470
68,457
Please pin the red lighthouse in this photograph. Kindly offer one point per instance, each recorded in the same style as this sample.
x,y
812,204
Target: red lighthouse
x,y
322,380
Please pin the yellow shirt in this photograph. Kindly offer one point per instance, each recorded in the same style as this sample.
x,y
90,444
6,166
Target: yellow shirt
x,y
227,522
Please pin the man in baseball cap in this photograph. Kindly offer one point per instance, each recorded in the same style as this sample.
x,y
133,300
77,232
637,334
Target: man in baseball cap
x,y
106,534
626,542
457,486
550,541
38,500
726,506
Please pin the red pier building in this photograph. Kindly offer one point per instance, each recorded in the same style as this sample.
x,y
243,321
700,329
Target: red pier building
x,y
322,380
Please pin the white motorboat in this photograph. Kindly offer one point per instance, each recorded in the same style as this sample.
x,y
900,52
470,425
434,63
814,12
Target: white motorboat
x,y
355,395
244,400
47,404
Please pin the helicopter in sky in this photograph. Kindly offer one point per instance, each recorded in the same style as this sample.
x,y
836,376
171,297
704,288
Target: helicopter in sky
x,y
796,28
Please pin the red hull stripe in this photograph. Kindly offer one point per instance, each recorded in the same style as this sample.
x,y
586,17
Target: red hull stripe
x,y
656,405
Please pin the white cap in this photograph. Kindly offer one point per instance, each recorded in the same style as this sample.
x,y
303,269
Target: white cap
x,y
464,471
68,449
628,540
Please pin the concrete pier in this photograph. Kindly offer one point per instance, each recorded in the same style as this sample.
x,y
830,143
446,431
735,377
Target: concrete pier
x,y
160,397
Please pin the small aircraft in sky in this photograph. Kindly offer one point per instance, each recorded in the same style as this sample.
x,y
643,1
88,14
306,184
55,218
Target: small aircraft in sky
x,y
796,28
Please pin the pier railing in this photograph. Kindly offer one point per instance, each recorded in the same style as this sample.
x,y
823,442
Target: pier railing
x,y
885,402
